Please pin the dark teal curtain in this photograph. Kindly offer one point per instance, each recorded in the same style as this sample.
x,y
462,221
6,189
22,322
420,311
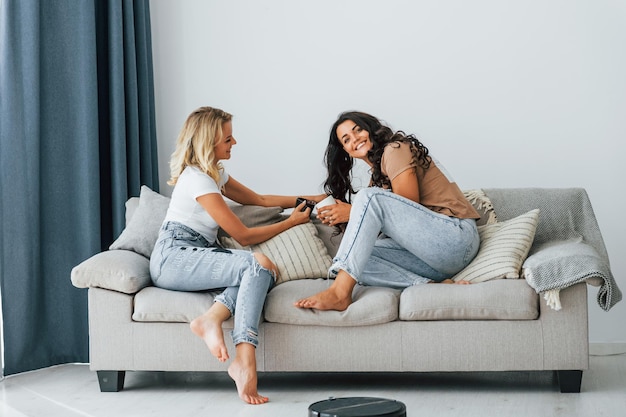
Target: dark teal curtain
x,y
77,138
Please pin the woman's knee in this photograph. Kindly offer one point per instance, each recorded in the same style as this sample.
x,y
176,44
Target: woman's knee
x,y
265,262
364,195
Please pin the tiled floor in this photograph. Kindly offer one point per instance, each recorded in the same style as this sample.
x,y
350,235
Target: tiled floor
x,y
72,390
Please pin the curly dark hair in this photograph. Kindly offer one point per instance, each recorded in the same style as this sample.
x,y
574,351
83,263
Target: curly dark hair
x,y
339,163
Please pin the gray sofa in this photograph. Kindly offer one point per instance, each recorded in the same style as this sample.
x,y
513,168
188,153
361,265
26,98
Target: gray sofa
x,y
493,325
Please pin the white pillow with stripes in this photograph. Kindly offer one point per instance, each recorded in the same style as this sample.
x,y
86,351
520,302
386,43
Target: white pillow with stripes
x,y
503,248
297,252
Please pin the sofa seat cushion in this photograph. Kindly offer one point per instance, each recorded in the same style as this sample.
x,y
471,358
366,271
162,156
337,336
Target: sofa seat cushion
x,y
371,305
490,300
154,304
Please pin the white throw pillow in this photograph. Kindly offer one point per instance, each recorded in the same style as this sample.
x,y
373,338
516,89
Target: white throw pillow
x,y
297,252
503,248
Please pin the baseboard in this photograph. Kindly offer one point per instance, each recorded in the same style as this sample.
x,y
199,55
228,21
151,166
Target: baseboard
x,y
606,349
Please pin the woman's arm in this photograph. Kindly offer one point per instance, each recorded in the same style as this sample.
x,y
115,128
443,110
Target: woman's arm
x,y
406,185
238,192
217,208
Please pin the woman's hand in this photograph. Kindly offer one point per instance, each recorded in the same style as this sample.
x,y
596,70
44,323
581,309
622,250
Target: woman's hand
x,y
335,213
298,216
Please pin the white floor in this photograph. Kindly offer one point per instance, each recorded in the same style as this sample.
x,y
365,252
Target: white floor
x,y
72,390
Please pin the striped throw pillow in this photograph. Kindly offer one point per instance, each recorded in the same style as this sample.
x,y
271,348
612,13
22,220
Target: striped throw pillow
x,y
297,252
503,248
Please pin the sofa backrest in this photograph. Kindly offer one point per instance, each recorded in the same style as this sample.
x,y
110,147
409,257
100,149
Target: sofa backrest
x,y
565,213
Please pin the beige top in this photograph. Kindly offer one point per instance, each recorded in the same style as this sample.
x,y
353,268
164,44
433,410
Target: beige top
x,y
437,191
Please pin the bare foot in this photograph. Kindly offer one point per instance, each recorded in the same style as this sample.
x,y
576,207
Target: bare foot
x,y
337,297
208,327
325,300
245,377
449,281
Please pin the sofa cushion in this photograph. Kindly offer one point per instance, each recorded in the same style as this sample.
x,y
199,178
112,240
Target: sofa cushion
x,y
492,300
254,216
503,248
371,305
145,216
154,304
142,230
297,252
118,270
331,236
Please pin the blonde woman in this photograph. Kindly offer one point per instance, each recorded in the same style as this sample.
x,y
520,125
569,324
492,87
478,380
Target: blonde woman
x,y
188,257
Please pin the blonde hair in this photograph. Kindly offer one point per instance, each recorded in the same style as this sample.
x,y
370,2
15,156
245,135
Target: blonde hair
x,y
196,142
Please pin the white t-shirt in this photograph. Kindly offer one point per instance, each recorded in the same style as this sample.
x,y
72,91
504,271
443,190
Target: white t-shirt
x,y
191,184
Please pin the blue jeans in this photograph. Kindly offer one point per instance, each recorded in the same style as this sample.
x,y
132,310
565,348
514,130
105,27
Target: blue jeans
x,y
417,245
183,260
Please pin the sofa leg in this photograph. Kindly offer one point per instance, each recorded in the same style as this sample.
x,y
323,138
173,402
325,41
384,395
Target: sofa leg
x,y
111,381
570,381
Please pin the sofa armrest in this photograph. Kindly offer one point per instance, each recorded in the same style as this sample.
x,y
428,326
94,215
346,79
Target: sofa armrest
x,y
119,270
566,331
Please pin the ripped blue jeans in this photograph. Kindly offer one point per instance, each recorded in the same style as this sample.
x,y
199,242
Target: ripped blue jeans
x,y
183,260
418,245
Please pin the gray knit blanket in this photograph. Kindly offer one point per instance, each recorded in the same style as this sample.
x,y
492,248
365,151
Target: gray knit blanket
x,y
568,246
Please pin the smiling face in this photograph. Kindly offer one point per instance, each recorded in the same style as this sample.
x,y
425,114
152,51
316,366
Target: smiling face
x,y
223,147
354,139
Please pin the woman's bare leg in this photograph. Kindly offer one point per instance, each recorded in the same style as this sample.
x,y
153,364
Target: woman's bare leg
x,y
337,297
243,372
209,328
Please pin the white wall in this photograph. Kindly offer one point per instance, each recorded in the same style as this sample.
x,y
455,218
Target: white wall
x,y
506,94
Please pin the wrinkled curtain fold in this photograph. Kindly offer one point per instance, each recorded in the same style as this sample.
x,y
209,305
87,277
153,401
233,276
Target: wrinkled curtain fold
x,y
126,104
77,138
